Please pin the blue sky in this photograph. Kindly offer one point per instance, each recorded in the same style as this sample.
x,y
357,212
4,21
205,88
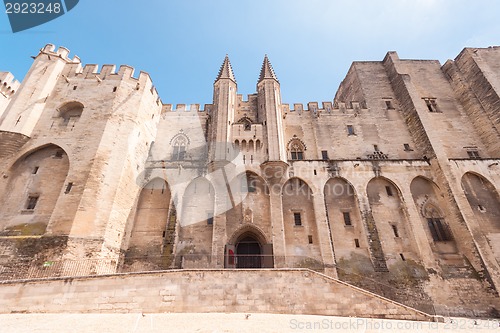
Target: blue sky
x,y
311,43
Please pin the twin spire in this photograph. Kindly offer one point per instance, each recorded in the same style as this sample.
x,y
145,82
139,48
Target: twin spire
x,y
266,72
226,71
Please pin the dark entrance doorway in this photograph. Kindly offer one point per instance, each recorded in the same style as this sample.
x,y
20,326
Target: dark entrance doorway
x,y
248,253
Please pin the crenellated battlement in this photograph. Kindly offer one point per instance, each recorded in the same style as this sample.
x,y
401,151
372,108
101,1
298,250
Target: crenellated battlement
x,y
194,108
61,52
74,69
327,108
8,84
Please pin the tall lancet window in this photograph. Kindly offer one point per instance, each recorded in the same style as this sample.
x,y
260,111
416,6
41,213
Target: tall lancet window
x,y
180,143
296,148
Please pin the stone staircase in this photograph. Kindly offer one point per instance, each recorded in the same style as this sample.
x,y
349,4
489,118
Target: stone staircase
x,y
169,239
376,252
11,143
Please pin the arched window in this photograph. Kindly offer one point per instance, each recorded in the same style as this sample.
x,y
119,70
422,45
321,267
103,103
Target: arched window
x,y
70,112
296,148
180,143
248,183
439,230
247,123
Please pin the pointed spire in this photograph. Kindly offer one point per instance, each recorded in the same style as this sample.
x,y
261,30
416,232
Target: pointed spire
x,y
267,71
226,71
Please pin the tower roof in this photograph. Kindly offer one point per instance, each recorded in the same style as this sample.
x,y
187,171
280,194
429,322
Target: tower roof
x,y
267,71
226,71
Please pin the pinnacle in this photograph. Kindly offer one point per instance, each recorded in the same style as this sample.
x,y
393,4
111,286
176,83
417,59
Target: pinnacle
x,y
267,71
226,71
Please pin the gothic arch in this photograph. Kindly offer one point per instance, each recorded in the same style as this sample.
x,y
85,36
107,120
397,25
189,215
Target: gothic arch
x,y
249,229
34,150
299,219
247,123
70,111
149,224
296,148
344,217
431,207
196,221
198,202
35,185
252,204
388,211
387,182
180,143
245,119
484,200
249,182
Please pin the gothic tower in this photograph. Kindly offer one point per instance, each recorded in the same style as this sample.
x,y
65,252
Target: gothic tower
x,y
269,112
223,114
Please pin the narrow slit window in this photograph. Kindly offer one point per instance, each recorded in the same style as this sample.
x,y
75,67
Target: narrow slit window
x,y
32,201
297,219
402,257
310,238
356,242
395,230
350,130
388,189
324,155
68,188
35,170
431,104
347,218
473,154
389,105
407,147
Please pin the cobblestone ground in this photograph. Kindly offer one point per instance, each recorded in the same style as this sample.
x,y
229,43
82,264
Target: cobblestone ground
x,y
234,322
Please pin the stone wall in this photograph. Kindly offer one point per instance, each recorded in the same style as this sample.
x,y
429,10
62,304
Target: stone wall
x,y
259,291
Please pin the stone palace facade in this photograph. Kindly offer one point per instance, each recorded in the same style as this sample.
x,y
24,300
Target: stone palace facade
x,y
393,186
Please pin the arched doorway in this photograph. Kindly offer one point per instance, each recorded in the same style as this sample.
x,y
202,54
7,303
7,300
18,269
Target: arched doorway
x,y
248,252
248,248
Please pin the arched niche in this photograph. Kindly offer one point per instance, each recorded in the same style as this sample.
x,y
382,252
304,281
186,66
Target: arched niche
x,y
484,201
252,203
150,222
301,231
70,112
35,183
430,205
389,213
196,223
344,216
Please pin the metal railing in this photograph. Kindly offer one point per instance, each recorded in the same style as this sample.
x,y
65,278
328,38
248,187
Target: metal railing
x,y
91,267
49,269
95,267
